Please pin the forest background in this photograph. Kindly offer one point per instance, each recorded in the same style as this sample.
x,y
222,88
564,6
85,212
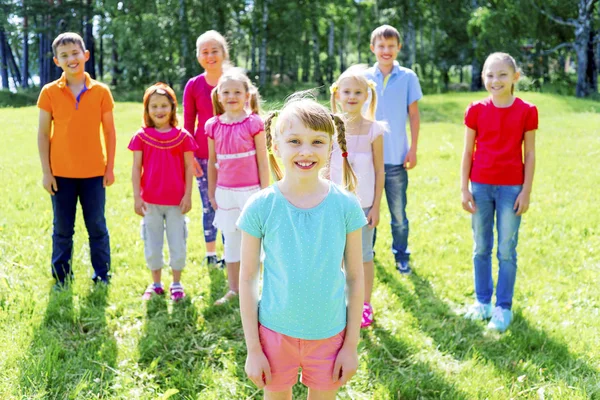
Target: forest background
x,y
302,43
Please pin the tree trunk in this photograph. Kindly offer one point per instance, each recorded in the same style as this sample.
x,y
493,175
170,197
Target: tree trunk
x,y
3,59
591,72
25,56
330,52
582,37
115,63
410,37
90,66
253,44
317,74
263,45
12,63
358,28
342,49
307,59
101,49
183,29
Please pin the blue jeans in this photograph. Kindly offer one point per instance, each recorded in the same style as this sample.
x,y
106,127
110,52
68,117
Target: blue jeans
x,y
495,201
92,196
396,183
210,232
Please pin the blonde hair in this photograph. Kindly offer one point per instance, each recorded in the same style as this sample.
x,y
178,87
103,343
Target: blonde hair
x,y
506,59
217,37
315,117
356,72
161,89
238,75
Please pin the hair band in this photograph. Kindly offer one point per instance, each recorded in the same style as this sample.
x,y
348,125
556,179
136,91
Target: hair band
x,y
345,154
333,88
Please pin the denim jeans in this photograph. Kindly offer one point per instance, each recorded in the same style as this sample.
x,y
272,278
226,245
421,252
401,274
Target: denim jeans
x,y
210,232
92,195
396,183
495,201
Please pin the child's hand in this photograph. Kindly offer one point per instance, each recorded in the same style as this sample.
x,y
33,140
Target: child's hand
x,y
186,204
346,364
522,203
411,159
139,206
258,368
373,217
198,173
49,183
468,202
109,178
213,203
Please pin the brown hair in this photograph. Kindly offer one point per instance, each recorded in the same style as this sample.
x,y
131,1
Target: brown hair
x,y
386,32
65,38
506,59
236,74
316,117
217,37
356,72
161,89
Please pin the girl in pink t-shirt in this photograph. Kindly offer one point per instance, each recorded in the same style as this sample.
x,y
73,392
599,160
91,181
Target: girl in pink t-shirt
x,y
162,177
364,141
237,162
498,161
213,55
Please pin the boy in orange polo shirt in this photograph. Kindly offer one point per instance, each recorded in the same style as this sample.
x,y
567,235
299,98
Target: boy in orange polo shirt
x,y
77,160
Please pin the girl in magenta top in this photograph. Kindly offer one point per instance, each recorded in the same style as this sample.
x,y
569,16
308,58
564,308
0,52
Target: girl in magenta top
x,y
162,174
213,55
499,162
238,165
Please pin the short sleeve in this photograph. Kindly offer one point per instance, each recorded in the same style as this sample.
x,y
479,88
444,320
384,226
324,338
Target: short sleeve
x,y
208,128
531,123
189,144
378,128
355,216
136,144
107,100
471,116
250,220
256,125
44,100
414,89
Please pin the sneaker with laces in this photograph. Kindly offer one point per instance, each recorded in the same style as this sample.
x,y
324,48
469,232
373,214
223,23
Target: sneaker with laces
x,y
479,311
213,262
152,290
403,267
177,292
501,319
367,315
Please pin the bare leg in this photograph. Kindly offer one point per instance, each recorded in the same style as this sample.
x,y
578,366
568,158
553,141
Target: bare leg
x,y
285,395
176,276
211,247
369,278
321,394
233,277
156,275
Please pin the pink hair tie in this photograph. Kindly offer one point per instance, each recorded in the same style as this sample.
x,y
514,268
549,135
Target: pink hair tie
x,y
345,154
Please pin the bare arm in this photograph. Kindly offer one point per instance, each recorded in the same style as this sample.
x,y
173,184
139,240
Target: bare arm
x,y
44,128
256,361
346,362
212,173
415,123
260,142
186,202
522,203
136,178
468,202
110,138
377,147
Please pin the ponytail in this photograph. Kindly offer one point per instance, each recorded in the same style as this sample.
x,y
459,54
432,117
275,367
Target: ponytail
x,y
217,107
333,89
349,178
275,170
254,99
373,104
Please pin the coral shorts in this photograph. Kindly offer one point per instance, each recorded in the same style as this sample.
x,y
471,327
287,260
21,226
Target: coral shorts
x,y
286,354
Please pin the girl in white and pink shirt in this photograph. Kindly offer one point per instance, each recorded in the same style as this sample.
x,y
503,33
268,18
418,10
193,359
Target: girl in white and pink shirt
x,y
237,162
162,177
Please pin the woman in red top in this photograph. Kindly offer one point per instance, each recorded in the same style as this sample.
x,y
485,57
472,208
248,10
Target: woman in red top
x,y
213,55
499,161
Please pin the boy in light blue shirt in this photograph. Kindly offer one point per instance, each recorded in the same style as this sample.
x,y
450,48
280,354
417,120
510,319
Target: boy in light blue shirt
x,y
398,91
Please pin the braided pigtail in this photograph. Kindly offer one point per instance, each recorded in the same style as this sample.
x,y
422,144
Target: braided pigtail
x,y
275,170
349,176
217,107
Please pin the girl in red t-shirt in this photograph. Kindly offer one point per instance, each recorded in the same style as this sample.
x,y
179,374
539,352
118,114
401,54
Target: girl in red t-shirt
x,y
499,162
162,177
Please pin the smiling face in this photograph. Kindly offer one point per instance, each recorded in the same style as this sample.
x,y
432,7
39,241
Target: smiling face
x,y
351,95
211,55
303,151
386,50
233,95
71,58
499,77
160,111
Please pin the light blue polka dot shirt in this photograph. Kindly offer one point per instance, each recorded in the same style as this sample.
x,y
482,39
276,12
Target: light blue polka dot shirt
x,y
303,294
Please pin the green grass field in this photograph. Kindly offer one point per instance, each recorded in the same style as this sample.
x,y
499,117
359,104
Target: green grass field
x,y
106,343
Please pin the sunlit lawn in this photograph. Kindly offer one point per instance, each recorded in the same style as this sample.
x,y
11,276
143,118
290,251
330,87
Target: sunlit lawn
x,y
94,343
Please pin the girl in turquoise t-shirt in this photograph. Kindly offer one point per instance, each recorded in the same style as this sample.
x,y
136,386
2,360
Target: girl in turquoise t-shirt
x,y
307,226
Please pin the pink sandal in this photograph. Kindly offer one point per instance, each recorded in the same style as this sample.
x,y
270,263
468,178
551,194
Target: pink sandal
x,y
177,292
152,290
367,315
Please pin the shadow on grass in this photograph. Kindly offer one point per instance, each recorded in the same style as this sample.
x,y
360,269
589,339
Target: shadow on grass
x,y
524,350
71,355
